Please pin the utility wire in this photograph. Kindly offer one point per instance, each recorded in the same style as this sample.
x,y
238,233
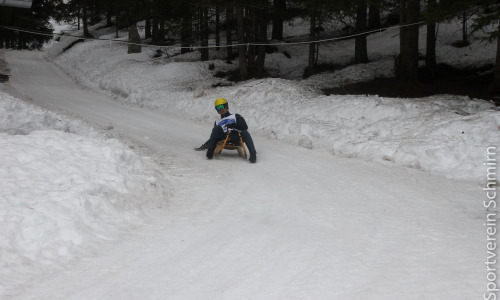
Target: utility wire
x,y
211,46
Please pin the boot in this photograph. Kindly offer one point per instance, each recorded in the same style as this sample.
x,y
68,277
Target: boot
x,y
210,153
202,147
253,157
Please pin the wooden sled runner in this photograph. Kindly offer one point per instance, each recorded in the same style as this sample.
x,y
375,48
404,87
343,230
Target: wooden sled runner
x,y
229,145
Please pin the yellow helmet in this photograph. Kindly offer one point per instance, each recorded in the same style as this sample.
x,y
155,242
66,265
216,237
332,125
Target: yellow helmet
x,y
221,103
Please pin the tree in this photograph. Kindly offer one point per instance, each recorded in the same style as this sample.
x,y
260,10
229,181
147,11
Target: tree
x,y
313,14
451,9
35,18
83,5
148,15
204,31
230,23
262,20
78,9
217,28
279,14
430,53
488,21
316,11
436,12
242,53
406,65
187,30
252,19
374,14
161,12
321,11
361,46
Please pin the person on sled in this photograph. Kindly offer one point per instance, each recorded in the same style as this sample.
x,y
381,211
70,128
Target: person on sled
x,y
227,122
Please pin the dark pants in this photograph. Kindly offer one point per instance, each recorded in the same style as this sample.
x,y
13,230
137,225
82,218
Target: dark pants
x,y
218,134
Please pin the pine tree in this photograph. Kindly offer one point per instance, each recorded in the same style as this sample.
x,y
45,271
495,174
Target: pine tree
x,y
279,14
430,53
406,65
361,46
35,18
488,21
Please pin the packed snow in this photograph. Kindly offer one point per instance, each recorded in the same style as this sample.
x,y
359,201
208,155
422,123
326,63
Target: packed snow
x,y
402,221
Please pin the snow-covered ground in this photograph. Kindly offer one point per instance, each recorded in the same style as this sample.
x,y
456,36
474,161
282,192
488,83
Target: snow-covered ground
x,y
445,133
122,208
63,185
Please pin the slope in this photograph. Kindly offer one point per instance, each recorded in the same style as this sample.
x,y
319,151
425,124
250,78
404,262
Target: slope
x,y
298,224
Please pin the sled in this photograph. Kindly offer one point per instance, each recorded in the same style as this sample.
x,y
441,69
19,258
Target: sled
x,y
227,144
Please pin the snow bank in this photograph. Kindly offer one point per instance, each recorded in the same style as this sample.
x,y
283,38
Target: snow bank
x,y
64,187
447,134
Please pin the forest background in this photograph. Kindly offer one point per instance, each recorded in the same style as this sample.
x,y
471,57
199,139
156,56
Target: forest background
x,y
247,30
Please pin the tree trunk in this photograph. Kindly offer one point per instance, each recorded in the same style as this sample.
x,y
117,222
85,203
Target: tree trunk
x,y
217,28
407,61
229,39
279,7
261,52
186,32
465,39
204,33
96,13
430,52
19,41
496,79
78,6
109,14
134,39
251,32
85,21
161,31
147,27
154,29
241,41
312,36
361,47
374,15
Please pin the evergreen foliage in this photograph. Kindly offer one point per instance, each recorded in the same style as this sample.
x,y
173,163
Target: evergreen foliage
x,y
34,19
245,22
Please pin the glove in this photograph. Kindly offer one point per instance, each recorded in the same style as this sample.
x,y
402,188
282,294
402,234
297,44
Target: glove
x,y
230,126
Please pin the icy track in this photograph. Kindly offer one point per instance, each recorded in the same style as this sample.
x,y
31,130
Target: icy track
x,y
299,224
